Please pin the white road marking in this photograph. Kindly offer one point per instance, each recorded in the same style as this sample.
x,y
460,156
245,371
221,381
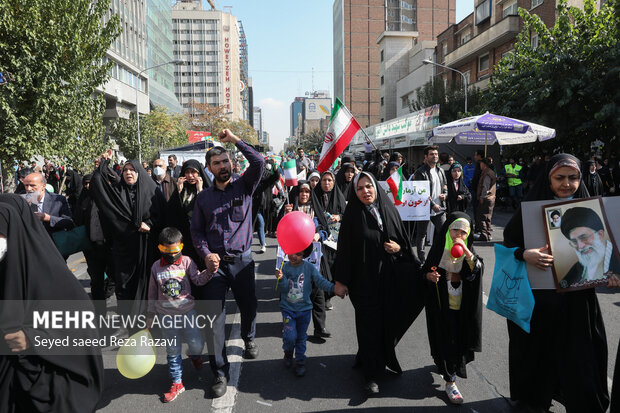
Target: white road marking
x,y
226,403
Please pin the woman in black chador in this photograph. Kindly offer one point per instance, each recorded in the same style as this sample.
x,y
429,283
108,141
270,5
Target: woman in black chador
x,y
376,264
454,301
192,180
344,178
32,269
565,355
133,208
458,194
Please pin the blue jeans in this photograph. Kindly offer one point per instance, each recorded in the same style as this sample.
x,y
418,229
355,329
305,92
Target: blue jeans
x,y
261,228
295,332
174,342
516,192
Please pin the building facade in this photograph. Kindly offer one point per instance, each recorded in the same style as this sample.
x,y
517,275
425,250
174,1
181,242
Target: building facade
x,y
360,60
127,90
478,42
244,73
209,43
258,121
160,51
297,110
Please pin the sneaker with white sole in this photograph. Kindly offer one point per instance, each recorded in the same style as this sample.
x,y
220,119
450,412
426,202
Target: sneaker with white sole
x,y
173,393
453,393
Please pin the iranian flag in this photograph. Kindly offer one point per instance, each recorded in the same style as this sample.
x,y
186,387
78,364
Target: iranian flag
x,y
342,128
290,172
395,182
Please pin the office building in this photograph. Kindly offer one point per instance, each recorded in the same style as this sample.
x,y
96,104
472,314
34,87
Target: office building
x,y
209,42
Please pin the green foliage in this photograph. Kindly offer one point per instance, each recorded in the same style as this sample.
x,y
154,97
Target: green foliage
x,y
54,49
570,82
312,140
158,130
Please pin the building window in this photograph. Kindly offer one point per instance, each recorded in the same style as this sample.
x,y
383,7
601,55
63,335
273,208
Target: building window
x,y
536,3
382,101
404,102
483,11
483,63
510,9
465,37
444,51
382,80
534,41
382,55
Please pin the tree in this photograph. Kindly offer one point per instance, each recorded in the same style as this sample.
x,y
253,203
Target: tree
x,y
570,81
54,49
312,140
208,118
158,130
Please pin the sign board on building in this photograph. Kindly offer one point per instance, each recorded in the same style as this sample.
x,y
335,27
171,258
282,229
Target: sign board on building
x,y
197,136
414,122
317,108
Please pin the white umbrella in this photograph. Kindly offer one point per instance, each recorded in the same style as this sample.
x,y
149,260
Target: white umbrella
x,y
488,128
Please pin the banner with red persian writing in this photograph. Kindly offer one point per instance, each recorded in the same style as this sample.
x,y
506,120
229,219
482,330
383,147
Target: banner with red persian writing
x,y
415,205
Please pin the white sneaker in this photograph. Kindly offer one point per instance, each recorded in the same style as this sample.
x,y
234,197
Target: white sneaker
x,y
453,393
263,248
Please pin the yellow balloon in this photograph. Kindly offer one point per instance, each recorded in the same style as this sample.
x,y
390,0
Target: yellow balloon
x,y
136,357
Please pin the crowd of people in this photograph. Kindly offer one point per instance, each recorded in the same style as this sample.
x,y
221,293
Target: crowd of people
x,y
167,236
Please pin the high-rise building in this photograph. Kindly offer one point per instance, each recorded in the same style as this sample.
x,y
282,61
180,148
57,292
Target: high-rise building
x,y
297,109
127,90
358,25
208,41
258,121
159,50
244,74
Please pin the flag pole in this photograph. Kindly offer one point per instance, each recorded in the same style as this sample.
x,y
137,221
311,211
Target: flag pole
x,y
368,139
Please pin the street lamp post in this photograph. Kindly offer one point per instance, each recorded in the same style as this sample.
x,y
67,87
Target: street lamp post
x,y
430,62
176,62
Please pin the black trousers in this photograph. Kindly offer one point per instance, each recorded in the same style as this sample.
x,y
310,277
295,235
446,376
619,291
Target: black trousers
x,y
240,278
99,263
317,296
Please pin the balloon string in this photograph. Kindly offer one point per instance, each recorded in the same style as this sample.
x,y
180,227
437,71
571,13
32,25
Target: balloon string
x,y
278,279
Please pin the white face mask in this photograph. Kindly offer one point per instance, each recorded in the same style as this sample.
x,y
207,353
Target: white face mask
x,y
31,197
3,248
159,171
268,166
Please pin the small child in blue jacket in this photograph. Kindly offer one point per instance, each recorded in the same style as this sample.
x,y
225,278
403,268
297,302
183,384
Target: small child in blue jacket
x,y
295,284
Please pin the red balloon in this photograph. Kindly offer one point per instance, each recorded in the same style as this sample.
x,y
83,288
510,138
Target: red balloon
x,y
295,232
457,251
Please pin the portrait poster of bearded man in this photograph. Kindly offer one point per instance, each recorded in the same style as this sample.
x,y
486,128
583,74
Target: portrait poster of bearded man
x,y
585,251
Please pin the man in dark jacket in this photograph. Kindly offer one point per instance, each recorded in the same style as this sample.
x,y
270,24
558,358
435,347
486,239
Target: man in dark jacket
x,y
164,181
52,209
430,172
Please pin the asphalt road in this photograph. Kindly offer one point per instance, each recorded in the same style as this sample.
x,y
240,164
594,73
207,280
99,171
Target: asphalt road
x,y
331,385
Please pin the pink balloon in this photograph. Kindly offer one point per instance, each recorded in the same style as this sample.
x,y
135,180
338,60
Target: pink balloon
x,y
295,232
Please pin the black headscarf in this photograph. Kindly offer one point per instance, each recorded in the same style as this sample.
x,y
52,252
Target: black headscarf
x,y
341,181
335,199
126,206
397,285
319,212
74,187
513,233
34,270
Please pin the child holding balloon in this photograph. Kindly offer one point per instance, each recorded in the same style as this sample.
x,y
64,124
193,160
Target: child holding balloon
x,y
454,301
295,280
170,295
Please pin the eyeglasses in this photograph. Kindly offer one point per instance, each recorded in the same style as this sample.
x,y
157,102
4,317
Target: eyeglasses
x,y
583,238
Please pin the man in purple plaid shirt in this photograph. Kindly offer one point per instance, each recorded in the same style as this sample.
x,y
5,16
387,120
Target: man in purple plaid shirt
x,y
221,230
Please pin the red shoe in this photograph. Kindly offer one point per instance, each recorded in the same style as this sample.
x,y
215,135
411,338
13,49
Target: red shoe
x,y
175,390
197,362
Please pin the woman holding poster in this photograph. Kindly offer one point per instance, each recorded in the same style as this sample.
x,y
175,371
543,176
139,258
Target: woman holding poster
x,y
375,262
565,355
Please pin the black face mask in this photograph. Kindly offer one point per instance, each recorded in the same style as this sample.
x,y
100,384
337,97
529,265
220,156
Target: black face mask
x,y
171,258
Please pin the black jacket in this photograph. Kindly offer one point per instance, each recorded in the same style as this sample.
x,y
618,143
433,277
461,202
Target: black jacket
x,y
423,173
